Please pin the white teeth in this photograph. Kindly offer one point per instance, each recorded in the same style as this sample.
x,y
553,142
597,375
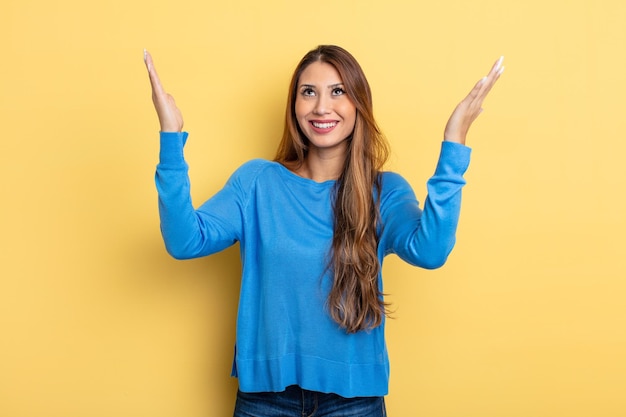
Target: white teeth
x,y
324,125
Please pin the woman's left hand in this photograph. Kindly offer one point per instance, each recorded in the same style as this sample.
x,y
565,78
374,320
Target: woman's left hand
x,y
468,110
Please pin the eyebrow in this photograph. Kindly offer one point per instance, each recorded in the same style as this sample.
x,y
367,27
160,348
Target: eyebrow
x,y
330,86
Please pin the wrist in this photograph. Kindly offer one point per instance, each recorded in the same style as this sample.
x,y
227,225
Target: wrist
x,y
454,138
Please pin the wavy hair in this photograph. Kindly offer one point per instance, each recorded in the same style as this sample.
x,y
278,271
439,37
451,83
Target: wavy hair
x,y
355,301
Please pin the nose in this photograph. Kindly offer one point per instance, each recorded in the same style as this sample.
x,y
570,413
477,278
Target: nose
x,y
322,105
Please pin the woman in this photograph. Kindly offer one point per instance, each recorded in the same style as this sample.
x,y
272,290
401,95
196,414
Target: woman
x,y
314,226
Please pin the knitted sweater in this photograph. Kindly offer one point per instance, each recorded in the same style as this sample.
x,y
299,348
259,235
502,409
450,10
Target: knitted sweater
x,y
284,224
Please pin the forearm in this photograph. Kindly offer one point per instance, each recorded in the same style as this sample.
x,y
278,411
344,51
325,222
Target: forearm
x,y
179,223
425,237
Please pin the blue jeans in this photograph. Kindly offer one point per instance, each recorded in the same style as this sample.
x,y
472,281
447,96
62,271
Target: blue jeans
x,y
296,402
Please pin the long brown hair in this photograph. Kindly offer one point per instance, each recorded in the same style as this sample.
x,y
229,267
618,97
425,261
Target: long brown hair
x,y
355,300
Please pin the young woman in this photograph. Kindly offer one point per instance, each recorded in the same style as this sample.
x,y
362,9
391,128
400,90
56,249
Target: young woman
x,y
314,226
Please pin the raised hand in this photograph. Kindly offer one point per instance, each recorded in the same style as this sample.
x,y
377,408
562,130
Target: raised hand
x,y
170,117
468,110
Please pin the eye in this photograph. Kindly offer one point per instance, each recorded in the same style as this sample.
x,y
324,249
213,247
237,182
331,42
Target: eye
x,y
338,91
307,92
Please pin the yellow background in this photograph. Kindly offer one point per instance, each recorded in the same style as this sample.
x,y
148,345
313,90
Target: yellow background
x,y
528,318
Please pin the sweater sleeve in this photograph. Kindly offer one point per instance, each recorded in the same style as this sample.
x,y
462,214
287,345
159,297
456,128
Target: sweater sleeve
x,y
425,237
187,232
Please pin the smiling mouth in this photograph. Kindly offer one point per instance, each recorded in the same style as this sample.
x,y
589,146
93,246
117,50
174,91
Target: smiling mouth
x,y
324,125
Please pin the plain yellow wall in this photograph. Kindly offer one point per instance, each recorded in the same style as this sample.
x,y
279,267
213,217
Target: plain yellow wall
x,y
528,318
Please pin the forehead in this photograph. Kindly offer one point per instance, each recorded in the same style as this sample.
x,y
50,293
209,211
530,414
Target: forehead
x,y
320,73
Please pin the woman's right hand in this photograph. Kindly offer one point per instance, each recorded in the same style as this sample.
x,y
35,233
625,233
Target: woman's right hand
x,y
170,117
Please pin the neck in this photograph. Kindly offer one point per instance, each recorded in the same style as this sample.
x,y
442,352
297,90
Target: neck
x,y
322,166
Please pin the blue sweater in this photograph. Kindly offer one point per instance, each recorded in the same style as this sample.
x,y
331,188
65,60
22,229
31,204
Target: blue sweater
x,y
284,224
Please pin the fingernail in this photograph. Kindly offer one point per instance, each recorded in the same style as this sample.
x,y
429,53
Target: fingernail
x,y
500,61
145,54
501,70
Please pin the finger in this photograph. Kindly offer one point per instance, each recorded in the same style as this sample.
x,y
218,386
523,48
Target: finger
x,y
157,88
496,71
489,83
497,66
484,86
476,91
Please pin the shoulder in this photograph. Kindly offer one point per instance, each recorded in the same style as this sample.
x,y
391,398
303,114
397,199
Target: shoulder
x,y
251,172
254,167
391,181
255,164
394,186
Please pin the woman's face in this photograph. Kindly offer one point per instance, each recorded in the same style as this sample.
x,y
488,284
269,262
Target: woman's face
x,y
324,112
